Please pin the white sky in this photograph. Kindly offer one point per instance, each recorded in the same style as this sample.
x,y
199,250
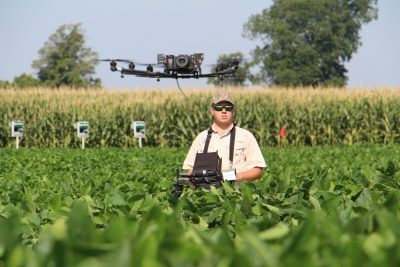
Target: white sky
x,y
139,30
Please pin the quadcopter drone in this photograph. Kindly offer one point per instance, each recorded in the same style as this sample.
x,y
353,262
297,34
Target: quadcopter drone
x,y
175,66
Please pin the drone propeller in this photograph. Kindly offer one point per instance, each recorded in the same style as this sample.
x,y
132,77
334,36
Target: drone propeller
x,y
117,60
129,61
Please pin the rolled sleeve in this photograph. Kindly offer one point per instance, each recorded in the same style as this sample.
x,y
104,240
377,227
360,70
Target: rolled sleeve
x,y
254,157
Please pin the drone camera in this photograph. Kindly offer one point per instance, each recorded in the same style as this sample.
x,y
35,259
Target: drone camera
x,y
182,61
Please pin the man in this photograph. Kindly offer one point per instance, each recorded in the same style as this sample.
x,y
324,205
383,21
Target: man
x,y
248,162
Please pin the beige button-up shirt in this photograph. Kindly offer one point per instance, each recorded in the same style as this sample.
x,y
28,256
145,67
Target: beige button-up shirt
x,y
247,153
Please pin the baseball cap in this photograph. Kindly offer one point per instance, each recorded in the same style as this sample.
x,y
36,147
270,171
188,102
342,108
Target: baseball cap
x,y
221,96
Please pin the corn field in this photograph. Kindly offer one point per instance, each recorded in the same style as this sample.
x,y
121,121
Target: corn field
x,y
309,116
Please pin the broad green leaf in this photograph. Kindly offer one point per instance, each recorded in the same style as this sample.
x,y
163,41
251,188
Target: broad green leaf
x,y
278,231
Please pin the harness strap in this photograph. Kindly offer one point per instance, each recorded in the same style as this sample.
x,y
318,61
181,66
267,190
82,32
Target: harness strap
x,y
231,144
209,133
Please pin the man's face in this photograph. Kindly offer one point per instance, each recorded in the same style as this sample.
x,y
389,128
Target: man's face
x,y
223,113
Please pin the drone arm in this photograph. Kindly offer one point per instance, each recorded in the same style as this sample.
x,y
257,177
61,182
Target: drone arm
x,y
143,73
224,72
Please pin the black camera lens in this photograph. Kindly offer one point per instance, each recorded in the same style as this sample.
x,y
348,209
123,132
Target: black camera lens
x,y
182,61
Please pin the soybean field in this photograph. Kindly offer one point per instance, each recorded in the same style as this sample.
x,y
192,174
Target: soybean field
x,y
321,206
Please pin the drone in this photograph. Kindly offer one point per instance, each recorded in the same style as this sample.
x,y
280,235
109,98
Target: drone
x,y
184,66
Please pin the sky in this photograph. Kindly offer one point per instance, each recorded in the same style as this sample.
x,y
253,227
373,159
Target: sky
x,y
139,30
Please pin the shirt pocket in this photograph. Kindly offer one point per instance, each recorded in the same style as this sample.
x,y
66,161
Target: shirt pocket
x,y
239,151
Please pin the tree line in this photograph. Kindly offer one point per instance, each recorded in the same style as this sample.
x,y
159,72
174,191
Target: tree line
x,y
301,43
64,61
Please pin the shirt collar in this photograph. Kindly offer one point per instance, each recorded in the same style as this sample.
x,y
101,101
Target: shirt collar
x,y
227,132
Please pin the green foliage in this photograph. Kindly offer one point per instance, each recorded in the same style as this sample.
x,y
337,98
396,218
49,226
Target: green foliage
x,y
64,61
241,74
306,43
22,81
25,81
324,206
4,84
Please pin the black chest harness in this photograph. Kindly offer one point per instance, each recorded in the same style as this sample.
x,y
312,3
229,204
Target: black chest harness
x,y
231,143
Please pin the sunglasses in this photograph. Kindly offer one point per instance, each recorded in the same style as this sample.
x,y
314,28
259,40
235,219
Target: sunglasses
x,y
221,107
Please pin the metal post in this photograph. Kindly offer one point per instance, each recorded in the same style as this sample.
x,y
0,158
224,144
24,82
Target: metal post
x,y
17,142
140,142
83,143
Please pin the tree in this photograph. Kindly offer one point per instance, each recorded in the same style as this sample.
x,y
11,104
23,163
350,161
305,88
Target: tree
x,y
64,61
4,84
307,42
25,81
241,74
